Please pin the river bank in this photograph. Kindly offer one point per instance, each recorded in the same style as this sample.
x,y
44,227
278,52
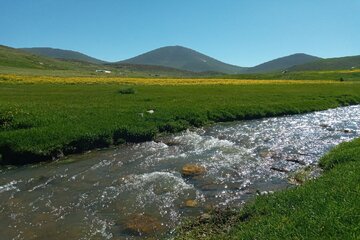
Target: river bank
x,y
43,121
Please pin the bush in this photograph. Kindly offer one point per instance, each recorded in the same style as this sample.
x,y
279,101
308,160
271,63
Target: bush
x,y
127,91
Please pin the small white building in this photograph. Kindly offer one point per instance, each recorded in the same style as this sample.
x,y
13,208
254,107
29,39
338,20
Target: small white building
x,y
102,71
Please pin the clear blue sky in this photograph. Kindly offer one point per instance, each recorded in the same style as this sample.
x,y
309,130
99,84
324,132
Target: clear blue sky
x,y
242,32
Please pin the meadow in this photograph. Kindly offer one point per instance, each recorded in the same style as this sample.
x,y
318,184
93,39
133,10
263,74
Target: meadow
x,y
12,78
44,118
346,75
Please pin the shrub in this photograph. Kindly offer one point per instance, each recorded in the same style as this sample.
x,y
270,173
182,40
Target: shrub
x,y
127,91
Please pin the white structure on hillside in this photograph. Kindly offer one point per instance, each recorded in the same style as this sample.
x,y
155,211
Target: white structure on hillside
x,y
102,71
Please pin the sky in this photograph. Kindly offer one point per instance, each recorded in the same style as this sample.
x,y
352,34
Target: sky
x,y
240,32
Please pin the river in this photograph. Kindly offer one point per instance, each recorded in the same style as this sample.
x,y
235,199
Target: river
x,y
108,194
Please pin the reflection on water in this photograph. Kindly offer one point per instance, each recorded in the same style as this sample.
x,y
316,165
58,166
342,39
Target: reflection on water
x,y
108,194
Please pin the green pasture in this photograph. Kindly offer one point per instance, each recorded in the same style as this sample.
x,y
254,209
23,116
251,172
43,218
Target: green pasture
x,y
40,122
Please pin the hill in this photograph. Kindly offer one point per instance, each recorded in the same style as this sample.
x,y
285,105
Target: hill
x,y
185,59
62,54
11,57
341,63
283,63
16,61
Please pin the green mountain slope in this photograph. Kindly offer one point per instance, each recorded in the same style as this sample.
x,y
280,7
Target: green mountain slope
x,y
282,63
62,54
342,63
185,59
155,71
11,57
15,61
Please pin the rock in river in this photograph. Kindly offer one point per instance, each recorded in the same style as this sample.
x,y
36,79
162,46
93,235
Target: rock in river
x,y
283,170
346,130
191,203
190,170
142,224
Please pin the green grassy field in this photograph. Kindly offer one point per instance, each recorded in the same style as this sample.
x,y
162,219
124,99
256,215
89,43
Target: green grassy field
x,y
42,121
346,75
325,208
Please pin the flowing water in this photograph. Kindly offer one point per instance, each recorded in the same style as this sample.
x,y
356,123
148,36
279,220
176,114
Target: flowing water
x,y
108,194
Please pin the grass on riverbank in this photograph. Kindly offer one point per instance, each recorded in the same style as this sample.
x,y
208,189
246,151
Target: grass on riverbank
x,y
43,120
325,208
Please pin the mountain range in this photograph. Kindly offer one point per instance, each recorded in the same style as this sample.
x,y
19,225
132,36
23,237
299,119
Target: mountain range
x,y
62,54
19,61
185,60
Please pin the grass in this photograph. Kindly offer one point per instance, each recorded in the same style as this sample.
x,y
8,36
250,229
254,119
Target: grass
x,y
325,208
40,121
12,78
347,75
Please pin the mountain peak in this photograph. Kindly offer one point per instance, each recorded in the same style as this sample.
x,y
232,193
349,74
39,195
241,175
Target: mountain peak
x,y
183,58
283,63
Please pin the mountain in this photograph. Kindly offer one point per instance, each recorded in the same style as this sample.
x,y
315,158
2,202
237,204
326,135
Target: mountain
x,y
185,59
283,63
19,61
11,57
173,61
341,63
62,54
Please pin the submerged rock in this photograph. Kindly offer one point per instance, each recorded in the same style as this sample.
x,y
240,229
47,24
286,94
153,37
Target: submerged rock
x,y
209,187
324,125
191,203
190,170
268,154
330,129
142,224
294,160
171,142
222,137
283,170
346,130
327,127
265,154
